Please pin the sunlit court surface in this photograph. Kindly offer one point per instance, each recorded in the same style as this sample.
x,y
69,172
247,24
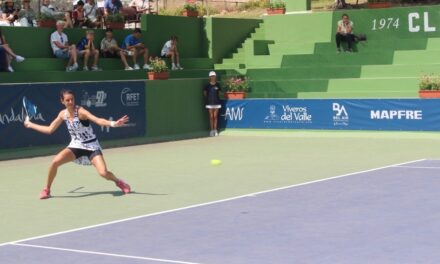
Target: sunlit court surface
x,y
276,197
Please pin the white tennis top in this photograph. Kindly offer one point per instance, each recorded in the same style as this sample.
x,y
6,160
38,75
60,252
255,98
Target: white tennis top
x,y
81,133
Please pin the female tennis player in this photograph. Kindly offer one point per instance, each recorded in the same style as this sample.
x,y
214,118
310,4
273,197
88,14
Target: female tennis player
x,y
84,147
212,93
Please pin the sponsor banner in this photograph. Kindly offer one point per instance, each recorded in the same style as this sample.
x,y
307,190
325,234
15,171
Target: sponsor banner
x,y
350,114
109,100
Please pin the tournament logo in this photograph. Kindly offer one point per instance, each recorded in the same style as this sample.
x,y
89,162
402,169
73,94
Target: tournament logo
x,y
130,98
290,115
234,113
96,100
272,114
396,114
12,116
340,115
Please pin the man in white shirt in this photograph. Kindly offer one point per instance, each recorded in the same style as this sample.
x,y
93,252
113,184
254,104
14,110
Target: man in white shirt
x,y
62,49
92,14
345,33
142,6
169,50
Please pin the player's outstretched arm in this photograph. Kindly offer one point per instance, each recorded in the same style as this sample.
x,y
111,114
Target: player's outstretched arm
x,y
45,129
84,114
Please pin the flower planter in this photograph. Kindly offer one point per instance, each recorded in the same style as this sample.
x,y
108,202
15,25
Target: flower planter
x,y
47,23
190,13
379,5
235,95
276,11
115,25
429,94
158,75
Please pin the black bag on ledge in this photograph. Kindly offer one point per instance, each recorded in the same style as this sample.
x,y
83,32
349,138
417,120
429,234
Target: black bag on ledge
x,y
360,37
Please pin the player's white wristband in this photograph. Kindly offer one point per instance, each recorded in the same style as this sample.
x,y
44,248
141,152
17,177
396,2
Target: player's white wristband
x,y
112,123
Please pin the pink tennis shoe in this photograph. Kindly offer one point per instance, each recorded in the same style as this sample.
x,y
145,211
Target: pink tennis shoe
x,y
125,188
45,194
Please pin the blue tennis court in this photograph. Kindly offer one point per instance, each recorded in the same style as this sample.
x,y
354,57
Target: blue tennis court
x,y
384,215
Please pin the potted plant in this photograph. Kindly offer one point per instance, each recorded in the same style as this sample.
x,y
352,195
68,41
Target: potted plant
x,y
115,21
158,70
190,10
46,21
379,3
429,86
236,87
277,7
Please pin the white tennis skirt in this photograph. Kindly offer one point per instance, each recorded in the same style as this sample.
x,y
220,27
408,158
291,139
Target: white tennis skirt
x,y
213,106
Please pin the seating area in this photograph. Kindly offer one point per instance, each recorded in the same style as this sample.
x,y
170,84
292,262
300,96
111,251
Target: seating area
x,y
302,62
198,51
281,61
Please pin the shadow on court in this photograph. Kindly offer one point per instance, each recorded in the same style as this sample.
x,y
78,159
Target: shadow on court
x,y
79,194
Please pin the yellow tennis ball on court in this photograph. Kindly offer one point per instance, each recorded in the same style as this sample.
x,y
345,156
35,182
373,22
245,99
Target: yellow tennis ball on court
x,y
216,162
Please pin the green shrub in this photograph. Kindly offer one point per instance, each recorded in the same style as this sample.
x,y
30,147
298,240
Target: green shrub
x,y
254,4
236,83
158,65
115,18
190,7
278,4
44,17
429,82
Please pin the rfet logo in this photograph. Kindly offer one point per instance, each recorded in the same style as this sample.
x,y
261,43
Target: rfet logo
x,y
130,98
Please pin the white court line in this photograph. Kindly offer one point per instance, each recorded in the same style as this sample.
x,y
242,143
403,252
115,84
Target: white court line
x,y
208,203
416,167
104,254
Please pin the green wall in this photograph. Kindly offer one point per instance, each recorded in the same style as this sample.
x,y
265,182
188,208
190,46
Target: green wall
x,y
198,37
303,28
298,5
213,38
225,34
175,107
189,31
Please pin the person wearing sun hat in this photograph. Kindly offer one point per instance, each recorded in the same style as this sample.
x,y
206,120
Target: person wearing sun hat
x,y
212,94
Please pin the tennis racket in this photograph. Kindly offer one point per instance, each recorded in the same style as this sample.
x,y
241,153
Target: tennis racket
x,y
29,107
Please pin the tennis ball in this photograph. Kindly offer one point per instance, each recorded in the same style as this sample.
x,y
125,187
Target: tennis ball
x,y
215,162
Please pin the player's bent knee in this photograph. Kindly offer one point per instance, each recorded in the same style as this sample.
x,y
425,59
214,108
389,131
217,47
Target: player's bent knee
x,y
103,173
55,163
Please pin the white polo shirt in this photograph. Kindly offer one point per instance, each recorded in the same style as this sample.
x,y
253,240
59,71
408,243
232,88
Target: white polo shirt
x,y
166,48
344,28
56,36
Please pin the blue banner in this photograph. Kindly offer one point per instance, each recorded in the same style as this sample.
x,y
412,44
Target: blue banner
x,y
109,100
350,114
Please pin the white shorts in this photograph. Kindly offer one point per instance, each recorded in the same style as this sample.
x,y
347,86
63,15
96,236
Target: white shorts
x,y
213,106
